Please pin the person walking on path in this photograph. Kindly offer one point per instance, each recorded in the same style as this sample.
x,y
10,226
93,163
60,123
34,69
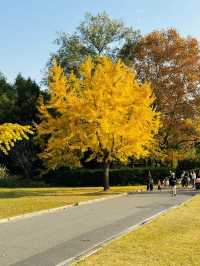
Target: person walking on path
x,y
149,182
172,183
193,176
159,184
185,180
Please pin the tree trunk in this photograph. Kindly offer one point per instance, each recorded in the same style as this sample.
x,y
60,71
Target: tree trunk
x,y
106,177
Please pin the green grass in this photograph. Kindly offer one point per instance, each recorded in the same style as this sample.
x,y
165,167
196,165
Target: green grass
x,y
18,201
172,239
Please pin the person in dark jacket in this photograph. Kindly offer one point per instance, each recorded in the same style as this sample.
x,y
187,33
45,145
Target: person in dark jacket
x,y
172,183
150,182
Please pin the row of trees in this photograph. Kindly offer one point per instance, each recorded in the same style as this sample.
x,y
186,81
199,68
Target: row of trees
x,y
168,61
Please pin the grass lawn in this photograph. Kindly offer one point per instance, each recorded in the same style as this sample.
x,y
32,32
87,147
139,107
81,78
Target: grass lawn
x,y
17,201
172,239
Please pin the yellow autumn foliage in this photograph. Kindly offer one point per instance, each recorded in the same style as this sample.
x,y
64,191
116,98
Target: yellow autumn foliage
x,y
105,110
10,134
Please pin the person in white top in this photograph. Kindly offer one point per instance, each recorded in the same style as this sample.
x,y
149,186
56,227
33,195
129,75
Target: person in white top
x,y
193,175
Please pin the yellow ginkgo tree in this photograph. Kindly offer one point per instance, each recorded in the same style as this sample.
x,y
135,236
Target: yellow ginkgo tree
x,y
104,109
10,134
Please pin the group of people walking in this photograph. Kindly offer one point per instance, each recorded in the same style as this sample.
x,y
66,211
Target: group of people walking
x,y
186,179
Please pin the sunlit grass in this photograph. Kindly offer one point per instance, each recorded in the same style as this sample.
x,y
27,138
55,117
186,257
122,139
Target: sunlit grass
x,y
19,201
170,240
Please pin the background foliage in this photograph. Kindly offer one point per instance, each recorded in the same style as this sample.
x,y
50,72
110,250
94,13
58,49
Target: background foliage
x,y
167,60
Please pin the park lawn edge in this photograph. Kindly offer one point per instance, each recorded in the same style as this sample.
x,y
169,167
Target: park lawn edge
x,y
36,213
19,202
99,255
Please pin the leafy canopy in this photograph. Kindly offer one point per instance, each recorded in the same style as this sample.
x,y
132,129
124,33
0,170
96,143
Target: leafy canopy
x,y
96,35
172,64
10,134
104,109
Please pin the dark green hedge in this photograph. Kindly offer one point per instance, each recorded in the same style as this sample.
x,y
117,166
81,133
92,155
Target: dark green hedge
x,y
89,177
188,164
93,177
21,183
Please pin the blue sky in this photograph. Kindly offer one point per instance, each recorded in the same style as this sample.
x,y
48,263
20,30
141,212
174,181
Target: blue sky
x,y
28,27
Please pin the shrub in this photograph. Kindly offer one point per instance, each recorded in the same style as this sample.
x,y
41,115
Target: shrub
x,y
20,183
93,177
188,165
3,172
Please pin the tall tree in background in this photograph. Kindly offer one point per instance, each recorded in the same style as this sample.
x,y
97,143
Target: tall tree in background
x,y
24,156
104,110
7,101
96,35
10,133
18,105
27,94
172,64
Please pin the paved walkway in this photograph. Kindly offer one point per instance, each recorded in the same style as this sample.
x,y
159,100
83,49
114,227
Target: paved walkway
x,y
51,238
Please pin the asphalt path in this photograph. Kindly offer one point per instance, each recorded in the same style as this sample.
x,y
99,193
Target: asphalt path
x,y
51,238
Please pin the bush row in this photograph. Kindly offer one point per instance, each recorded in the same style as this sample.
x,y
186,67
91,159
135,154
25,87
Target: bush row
x,y
93,177
89,177
20,183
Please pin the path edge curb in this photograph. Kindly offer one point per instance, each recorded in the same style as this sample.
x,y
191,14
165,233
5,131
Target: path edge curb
x,y
62,208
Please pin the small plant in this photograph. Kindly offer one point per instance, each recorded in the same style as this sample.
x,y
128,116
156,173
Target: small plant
x,y
3,172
